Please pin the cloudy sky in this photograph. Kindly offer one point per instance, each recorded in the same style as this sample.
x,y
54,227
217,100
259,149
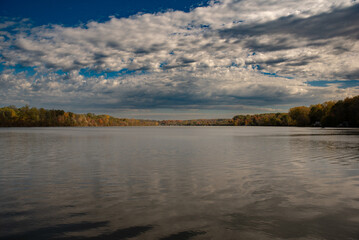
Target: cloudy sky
x,y
179,59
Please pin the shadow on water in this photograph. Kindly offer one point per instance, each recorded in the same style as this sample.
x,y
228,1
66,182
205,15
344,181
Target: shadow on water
x,y
123,233
330,226
53,232
183,235
56,232
14,214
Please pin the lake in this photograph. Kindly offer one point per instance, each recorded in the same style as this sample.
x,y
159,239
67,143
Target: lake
x,y
179,183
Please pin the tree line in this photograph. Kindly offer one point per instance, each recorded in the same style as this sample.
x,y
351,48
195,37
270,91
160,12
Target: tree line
x,y
12,116
343,113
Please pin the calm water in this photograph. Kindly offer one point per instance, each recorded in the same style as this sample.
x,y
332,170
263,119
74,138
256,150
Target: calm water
x,y
179,183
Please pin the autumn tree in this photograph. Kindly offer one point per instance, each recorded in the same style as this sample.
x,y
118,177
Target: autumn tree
x,y
300,116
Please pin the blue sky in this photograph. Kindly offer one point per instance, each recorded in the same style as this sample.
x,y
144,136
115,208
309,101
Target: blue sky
x,y
178,59
70,13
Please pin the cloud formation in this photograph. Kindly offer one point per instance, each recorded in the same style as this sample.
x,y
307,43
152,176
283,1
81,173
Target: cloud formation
x,y
230,54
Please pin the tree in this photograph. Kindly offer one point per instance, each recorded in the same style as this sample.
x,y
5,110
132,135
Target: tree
x,y
316,113
300,116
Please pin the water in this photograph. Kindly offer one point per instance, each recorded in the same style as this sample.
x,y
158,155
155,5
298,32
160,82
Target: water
x,y
179,183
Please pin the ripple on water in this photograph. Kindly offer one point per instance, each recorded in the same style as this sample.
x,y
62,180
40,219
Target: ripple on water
x,y
179,183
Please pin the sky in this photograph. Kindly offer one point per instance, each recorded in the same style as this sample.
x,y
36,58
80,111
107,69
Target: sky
x,y
177,59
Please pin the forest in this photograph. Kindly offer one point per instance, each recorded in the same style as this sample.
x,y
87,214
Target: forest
x,y
33,117
343,113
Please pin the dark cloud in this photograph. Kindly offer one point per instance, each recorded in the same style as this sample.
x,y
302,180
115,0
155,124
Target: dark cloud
x,y
186,60
349,75
151,49
275,45
268,62
301,61
99,56
114,45
339,22
284,61
142,51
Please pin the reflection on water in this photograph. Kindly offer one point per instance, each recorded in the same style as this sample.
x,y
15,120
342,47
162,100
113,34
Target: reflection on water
x,y
179,183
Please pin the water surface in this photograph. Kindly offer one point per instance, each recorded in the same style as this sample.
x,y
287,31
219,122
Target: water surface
x,y
179,183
